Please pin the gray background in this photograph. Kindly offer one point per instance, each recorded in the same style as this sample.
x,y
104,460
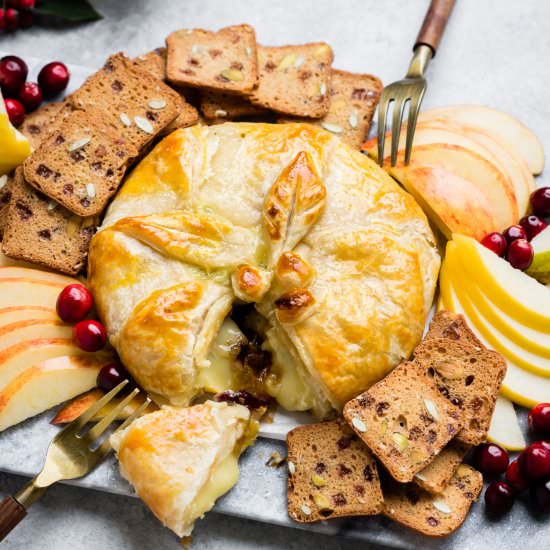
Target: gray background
x,y
494,52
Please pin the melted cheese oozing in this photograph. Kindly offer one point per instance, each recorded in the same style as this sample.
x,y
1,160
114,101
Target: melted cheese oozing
x,y
217,375
223,477
286,384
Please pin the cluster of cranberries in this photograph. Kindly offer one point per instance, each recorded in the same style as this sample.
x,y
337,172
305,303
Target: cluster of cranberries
x,y
17,15
531,470
514,241
73,306
22,97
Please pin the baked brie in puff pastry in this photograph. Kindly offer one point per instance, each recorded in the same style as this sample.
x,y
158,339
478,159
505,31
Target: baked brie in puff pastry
x,y
335,256
181,460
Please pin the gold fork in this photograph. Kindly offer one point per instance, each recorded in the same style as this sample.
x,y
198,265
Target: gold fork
x,y
412,88
71,454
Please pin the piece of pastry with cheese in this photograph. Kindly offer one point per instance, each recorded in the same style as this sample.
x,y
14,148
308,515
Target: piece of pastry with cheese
x,y
337,259
181,460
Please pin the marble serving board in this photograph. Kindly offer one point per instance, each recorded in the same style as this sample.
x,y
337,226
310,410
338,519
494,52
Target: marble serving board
x,y
260,493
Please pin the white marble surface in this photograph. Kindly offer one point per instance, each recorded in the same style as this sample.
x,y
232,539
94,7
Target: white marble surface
x,y
494,52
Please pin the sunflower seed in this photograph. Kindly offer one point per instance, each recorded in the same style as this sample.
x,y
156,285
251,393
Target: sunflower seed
x,y
125,119
358,424
248,51
420,477
331,127
299,61
306,509
442,506
220,113
78,144
157,103
322,89
353,120
432,409
52,205
90,190
196,49
144,125
3,181
291,467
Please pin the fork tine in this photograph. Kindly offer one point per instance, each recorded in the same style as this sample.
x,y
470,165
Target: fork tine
x,y
106,445
100,427
397,119
414,109
383,107
80,421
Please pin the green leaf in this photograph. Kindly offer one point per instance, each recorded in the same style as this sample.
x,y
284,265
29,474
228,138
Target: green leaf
x,y
72,10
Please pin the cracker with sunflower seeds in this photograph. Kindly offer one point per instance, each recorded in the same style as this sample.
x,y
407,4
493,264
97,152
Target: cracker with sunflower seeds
x,y
295,80
404,420
224,60
41,231
221,106
353,100
331,473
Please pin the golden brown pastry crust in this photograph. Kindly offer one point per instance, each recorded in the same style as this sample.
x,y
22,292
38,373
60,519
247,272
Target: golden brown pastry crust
x,y
299,208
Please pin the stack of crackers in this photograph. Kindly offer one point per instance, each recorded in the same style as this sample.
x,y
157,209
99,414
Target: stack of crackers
x,y
50,207
400,448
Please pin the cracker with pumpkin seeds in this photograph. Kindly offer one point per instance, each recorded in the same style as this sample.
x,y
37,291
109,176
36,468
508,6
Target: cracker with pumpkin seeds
x,y
404,420
224,60
81,164
294,80
222,106
435,477
41,231
138,105
331,473
353,100
433,515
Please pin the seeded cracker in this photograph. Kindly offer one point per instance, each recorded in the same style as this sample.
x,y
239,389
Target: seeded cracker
x,y
353,100
219,106
135,103
224,60
43,121
433,515
446,324
435,477
404,420
294,79
469,377
41,231
331,473
81,164
6,189
154,62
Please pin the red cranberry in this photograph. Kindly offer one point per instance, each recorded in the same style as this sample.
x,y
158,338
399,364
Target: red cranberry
x,y
533,225
53,78
89,335
520,254
516,477
540,492
16,111
499,498
13,73
496,242
111,376
490,458
539,418
535,461
540,201
30,96
11,18
74,303
514,232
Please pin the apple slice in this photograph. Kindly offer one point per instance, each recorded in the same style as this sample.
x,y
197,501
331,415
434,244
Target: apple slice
x,y
45,385
516,293
470,166
510,349
520,386
29,292
505,429
15,359
79,404
508,128
452,203
33,329
12,272
14,314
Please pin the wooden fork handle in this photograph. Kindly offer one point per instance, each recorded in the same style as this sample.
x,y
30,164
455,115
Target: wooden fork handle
x,y
11,513
434,24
